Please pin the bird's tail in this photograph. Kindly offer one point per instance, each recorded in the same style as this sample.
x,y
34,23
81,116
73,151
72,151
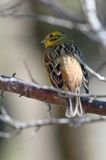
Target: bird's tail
x,y
74,107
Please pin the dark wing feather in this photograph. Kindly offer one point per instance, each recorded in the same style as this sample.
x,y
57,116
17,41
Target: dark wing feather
x,y
85,79
54,71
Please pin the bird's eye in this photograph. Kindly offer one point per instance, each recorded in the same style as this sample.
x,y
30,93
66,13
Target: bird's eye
x,y
51,35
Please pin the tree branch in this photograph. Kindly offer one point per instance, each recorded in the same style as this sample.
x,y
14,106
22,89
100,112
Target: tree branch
x,y
57,8
90,11
11,7
18,126
51,95
67,19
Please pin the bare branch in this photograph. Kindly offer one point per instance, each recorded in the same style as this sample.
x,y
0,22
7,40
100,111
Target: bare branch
x,y
90,11
90,70
51,95
9,134
68,19
97,75
84,28
18,126
54,5
62,12
11,7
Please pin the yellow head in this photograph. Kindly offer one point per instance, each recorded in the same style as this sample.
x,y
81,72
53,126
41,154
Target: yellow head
x,y
53,39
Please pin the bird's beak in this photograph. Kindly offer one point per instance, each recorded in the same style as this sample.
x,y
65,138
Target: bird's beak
x,y
43,41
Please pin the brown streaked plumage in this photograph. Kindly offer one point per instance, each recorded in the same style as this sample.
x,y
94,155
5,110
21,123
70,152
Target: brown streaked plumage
x,y
64,69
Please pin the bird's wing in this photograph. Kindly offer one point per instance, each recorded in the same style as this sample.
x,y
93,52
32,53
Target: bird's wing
x,y
54,72
85,79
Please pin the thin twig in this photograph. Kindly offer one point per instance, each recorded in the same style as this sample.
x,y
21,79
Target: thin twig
x,y
57,8
90,11
84,28
18,126
11,7
69,22
91,71
29,72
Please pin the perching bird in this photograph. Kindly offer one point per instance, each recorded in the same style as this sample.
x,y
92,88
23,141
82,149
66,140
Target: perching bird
x,y
64,69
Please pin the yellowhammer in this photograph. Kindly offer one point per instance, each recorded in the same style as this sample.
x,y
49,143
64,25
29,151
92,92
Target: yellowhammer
x,y
64,69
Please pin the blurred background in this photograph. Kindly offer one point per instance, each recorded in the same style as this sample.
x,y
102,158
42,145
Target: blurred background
x,y
20,39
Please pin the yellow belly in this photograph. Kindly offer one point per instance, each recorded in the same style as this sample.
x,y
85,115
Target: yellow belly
x,y
71,73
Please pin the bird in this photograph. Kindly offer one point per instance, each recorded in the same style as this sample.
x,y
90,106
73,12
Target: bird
x,y
64,64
